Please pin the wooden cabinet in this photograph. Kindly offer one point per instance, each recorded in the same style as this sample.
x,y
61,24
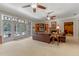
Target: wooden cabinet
x,y
36,27
46,27
41,27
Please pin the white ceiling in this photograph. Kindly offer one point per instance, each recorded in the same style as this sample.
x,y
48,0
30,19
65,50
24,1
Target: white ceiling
x,y
60,9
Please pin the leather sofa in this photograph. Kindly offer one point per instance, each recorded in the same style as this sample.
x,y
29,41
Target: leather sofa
x,y
41,36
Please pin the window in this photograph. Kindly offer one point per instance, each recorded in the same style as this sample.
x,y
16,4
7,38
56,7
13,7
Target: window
x,y
7,28
20,28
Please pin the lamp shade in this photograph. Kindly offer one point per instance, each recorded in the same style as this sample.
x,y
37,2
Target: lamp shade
x,y
58,27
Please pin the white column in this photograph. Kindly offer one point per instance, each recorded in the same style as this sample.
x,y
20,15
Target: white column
x,y
75,28
31,28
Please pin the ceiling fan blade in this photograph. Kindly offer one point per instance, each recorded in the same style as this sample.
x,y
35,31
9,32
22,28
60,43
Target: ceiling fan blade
x,y
34,10
40,6
26,6
50,12
52,17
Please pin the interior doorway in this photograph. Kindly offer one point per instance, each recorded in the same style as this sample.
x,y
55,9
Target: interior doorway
x,y
68,28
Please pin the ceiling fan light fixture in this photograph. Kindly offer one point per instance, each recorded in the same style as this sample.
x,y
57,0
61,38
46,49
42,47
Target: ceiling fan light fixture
x,y
34,5
48,18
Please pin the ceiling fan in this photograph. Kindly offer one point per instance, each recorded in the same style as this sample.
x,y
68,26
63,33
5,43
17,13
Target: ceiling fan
x,y
34,6
50,17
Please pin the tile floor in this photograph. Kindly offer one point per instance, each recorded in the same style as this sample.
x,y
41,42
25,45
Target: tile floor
x,y
30,47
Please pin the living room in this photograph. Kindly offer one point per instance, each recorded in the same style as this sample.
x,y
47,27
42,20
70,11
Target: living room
x,y
27,30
